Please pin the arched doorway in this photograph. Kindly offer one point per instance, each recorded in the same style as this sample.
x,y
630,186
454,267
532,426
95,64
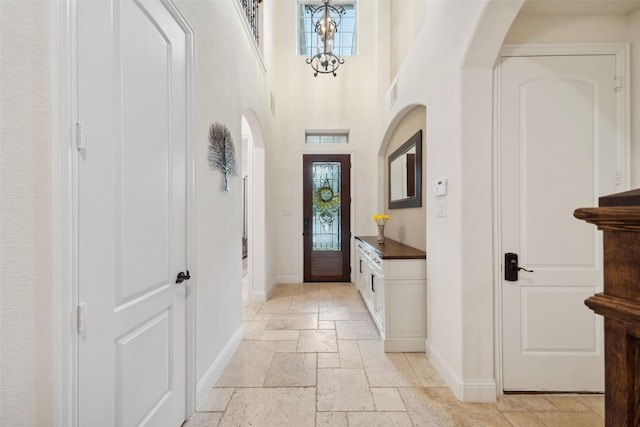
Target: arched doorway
x,y
253,173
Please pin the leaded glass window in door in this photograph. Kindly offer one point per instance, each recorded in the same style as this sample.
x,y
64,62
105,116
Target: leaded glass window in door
x,y
326,206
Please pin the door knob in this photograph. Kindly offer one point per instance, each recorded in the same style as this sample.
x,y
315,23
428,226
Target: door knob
x,y
511,267
182,277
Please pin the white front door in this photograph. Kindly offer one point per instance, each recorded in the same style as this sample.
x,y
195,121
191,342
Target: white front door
x,y
132,214
558,152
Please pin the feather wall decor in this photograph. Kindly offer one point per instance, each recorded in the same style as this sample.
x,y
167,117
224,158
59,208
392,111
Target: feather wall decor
x,y
222,153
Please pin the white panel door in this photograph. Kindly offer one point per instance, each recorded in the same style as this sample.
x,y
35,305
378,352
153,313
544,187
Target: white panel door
x,y
132,214
558,152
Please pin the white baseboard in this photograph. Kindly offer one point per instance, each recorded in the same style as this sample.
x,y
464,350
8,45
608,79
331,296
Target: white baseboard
x,y
288,279
465,391
215,370
259,296
272,287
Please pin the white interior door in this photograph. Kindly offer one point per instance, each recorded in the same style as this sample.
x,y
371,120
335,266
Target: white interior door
x,y
558,152
132,214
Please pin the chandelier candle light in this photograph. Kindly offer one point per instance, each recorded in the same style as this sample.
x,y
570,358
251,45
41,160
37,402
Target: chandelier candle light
x,y
381,220
326,20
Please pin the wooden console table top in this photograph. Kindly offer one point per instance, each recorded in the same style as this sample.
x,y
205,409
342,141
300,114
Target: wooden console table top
x,y
392,249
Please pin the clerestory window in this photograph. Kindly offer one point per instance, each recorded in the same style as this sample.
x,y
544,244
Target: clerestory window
x,y
345,38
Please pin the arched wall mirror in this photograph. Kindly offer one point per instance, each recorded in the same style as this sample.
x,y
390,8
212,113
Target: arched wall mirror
x,y
405,174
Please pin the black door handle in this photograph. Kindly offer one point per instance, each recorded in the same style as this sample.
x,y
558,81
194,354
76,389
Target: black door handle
x,y
511,267
182,277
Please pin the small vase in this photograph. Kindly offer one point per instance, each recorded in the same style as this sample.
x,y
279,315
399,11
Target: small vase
x,y
380,233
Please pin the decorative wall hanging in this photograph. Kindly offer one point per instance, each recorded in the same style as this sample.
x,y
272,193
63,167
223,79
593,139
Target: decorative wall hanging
x,y
222,153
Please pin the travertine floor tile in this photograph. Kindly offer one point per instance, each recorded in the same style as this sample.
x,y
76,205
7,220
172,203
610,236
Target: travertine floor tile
x,y
326,324
523,419
567,403
249,365
328,360
271,407
343,390
217,400
357,306
594,402
280,335
359,315
312,356
564,419
277,305
293,321
387,399
253,330
262,317
321,341
524,403
356,330
302,305
249,312
204,419
426,373
287,346
438,407
349,354
386,369
379,419
334,313
331,419
292,370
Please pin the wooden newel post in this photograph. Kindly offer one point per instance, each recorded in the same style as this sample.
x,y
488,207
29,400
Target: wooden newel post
x,y
618,216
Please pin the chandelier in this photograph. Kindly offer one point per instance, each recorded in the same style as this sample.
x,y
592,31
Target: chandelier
x,y
327,20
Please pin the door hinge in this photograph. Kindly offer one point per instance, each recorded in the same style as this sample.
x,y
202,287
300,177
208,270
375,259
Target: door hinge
x,y
618,177
81,137
82,317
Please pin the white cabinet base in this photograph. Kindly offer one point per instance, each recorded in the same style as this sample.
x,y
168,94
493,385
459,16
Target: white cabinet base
x,y
391,279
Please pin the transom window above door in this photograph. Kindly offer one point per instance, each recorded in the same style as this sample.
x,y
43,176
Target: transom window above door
x,y
326,137
345,38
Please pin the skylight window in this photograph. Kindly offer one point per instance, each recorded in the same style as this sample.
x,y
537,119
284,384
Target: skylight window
x,y
345,38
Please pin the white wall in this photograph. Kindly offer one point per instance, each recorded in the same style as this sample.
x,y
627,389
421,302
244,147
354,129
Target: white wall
x,y
407,17
449,70
229,81
348,101
26,215
407,225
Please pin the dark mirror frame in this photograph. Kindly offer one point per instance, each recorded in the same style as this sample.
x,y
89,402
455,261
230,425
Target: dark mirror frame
x,y
416,200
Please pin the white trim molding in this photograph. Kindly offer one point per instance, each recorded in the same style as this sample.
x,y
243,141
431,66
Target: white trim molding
x,y
192,229
65,337
475,390
215,370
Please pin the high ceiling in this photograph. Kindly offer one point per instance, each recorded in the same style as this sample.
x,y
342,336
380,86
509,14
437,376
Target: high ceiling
x,y
580,7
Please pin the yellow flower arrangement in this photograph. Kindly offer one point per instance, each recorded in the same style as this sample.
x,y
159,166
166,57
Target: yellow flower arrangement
x,y
381,219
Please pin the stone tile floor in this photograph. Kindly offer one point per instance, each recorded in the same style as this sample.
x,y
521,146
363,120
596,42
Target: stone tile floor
x,y
311,357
